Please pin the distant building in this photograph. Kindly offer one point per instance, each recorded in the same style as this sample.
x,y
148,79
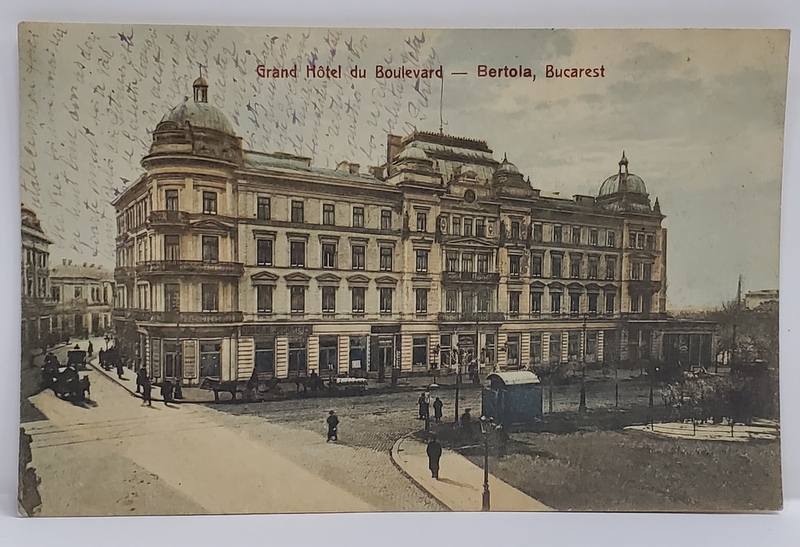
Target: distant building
x,y
230,260
83,295
37,307
754,299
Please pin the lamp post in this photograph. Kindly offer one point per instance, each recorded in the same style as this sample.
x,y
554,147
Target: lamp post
x,y
485,432
434,364
653,371
457,355
582,404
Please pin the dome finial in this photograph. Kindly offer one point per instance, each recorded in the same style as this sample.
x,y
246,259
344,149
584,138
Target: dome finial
x,y
624,160
505,158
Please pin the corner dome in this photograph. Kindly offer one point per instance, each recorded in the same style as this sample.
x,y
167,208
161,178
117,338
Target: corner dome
x,y
199,114
507,167
623,182
413,153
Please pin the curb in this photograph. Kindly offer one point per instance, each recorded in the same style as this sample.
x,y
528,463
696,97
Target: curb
x,y
394,456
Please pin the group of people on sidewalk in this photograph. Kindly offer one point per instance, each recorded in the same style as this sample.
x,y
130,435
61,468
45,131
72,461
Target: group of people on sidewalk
x,y
424,402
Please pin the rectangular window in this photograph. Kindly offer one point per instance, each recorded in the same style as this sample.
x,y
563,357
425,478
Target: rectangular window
x,y
386,300
592,267
358,217
483,263
514,265
555,347
536,303
591,342
298,213
328,214
328,299
386,219
171,199
483,301
592,302
328,255
650,242
555,266
636,270
78,292
210,248
480,227
611,267
298,355
451,301
574,303
647,273
386,259
640,240
297,297
513,302
467,302
452,262
468,227
210,297
264,252
576,235
359,257
264,298
297,252
358,296
536,265
172,248
264,211
514,230
422,261
265,357
420,352
172,297
537,232
593,237
536,348
210,353
555,303
422,222
574,345
636,303
422,301
557,233
610,303
210,203
631,239
328,355
611,239
512,351
358,352
468,262
575,268
455,226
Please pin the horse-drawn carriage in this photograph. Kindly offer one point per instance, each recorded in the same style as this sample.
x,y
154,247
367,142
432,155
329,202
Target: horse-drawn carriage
x,y
253,390
259,384
76,358
65,382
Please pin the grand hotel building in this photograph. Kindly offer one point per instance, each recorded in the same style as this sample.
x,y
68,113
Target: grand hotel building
x,y
230,260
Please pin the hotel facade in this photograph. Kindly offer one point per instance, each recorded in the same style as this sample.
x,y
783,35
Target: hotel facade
x,y
231,260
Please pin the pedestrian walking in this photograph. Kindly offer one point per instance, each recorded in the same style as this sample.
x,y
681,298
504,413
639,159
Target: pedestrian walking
x,y
90,349
333,426
437,410
120,370
434,451
147,389
141,376
166,391
421,402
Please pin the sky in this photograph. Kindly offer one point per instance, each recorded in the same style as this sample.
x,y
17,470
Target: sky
x,y
699,114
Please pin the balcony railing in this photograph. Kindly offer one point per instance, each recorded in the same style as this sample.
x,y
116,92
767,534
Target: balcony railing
x,y
470,277
184,317
169,217
471,317
224,269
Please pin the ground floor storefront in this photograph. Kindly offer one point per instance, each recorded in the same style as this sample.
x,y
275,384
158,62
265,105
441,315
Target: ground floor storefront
x,y
284,351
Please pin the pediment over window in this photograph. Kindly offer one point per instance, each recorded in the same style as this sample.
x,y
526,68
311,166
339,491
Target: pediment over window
x,y
470,242
358,279
593,287
386,280
264,278
328,278
537,285
212,225
297,278
556,286
608,287
575,287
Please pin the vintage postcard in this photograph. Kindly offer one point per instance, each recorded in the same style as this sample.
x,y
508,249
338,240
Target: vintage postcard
x,y
274,270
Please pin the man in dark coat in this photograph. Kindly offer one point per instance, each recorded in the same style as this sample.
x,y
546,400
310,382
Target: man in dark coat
x,y
437,410
141,375
333,426
147,389
90,349
166,391
434,451
422,406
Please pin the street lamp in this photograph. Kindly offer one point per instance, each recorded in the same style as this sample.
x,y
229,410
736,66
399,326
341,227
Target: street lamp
x,y
485,432
457,351
434,365
582,404
654,371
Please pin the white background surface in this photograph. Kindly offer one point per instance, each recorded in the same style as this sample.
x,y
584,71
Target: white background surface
x,y
410,530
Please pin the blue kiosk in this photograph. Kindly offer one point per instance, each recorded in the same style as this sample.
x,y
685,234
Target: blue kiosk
x,y
512,397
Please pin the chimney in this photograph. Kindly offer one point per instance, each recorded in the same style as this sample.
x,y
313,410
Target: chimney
x,y
393,147
354,168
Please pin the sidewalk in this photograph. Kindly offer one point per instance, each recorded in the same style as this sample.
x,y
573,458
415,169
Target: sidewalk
x,y
460,486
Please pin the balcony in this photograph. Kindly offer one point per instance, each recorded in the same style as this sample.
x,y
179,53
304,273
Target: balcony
x,y
124,272
191,267
471,317
169,218
470,277
186,317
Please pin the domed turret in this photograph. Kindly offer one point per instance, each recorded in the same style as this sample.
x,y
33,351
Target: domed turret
x,y
507,167
197,112
624,191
